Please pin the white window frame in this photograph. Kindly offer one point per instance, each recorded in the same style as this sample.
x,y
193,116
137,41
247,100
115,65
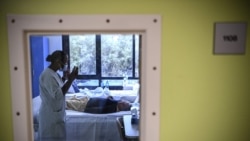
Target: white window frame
x,y
19,28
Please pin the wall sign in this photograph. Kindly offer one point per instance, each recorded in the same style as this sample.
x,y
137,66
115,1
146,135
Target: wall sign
x,y
230,38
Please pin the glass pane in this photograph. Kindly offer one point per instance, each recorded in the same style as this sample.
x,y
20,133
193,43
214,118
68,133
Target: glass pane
x,y
112,82
87,82
117,55
137,56
82,50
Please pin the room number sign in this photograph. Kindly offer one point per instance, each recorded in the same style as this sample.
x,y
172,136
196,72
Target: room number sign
x,y
230,37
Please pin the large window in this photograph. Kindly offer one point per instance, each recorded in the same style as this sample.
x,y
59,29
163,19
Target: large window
x,y
104,60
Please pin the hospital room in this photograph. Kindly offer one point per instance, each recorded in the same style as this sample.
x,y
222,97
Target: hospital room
x,y
108,68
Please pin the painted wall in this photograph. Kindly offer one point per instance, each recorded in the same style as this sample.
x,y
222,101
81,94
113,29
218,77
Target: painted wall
x,y
204,97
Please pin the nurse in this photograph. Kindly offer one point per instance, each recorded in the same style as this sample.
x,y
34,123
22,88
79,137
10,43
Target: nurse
x,y
52,93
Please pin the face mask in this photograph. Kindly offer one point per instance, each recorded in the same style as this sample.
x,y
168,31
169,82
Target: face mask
x,y
64,68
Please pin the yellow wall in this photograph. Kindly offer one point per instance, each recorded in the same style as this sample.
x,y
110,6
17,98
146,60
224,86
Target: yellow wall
x,y
204,97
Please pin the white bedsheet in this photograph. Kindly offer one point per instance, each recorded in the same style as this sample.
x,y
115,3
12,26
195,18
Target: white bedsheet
x,y
92,129
86,126
72,113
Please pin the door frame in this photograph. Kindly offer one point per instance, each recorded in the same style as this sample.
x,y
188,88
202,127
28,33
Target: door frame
x,y
19,28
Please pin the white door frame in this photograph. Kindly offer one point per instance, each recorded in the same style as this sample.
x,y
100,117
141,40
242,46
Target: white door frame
x,y
20,26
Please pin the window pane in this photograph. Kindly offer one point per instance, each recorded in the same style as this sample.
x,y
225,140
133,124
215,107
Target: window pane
x,y
83,53
87,82
137,55
117,55
112,82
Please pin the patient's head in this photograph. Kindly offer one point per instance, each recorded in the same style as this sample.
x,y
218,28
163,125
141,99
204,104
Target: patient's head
x,y
123,105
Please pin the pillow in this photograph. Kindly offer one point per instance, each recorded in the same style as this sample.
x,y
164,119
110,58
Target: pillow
x,y
131,99
36,103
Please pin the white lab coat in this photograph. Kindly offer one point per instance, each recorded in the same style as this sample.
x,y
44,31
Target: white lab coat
x,y
52,110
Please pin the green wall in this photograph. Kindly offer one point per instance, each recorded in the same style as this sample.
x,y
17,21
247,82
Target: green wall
x,y
204,97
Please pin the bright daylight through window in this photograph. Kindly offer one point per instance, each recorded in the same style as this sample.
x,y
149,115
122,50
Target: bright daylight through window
x,y
104,59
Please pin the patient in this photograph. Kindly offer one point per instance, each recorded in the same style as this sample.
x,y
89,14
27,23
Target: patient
x,y
97,105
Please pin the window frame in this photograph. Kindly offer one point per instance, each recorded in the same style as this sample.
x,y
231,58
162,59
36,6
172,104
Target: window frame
x,y
98,76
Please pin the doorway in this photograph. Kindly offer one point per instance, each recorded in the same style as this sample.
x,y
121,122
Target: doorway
x,y
20,26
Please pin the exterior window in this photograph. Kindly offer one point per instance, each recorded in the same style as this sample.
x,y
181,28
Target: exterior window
x,y
104,60
83,53
117,55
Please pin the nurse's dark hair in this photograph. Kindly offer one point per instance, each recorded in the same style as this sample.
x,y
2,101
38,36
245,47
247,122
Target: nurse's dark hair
x,y
58,54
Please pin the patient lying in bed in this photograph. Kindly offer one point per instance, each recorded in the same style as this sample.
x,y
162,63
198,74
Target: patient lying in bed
x,y
97,105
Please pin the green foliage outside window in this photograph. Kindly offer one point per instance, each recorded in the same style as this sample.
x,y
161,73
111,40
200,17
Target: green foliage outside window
x,y
104,57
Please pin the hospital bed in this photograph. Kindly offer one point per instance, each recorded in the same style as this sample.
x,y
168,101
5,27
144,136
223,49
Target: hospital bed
x,y
81,126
